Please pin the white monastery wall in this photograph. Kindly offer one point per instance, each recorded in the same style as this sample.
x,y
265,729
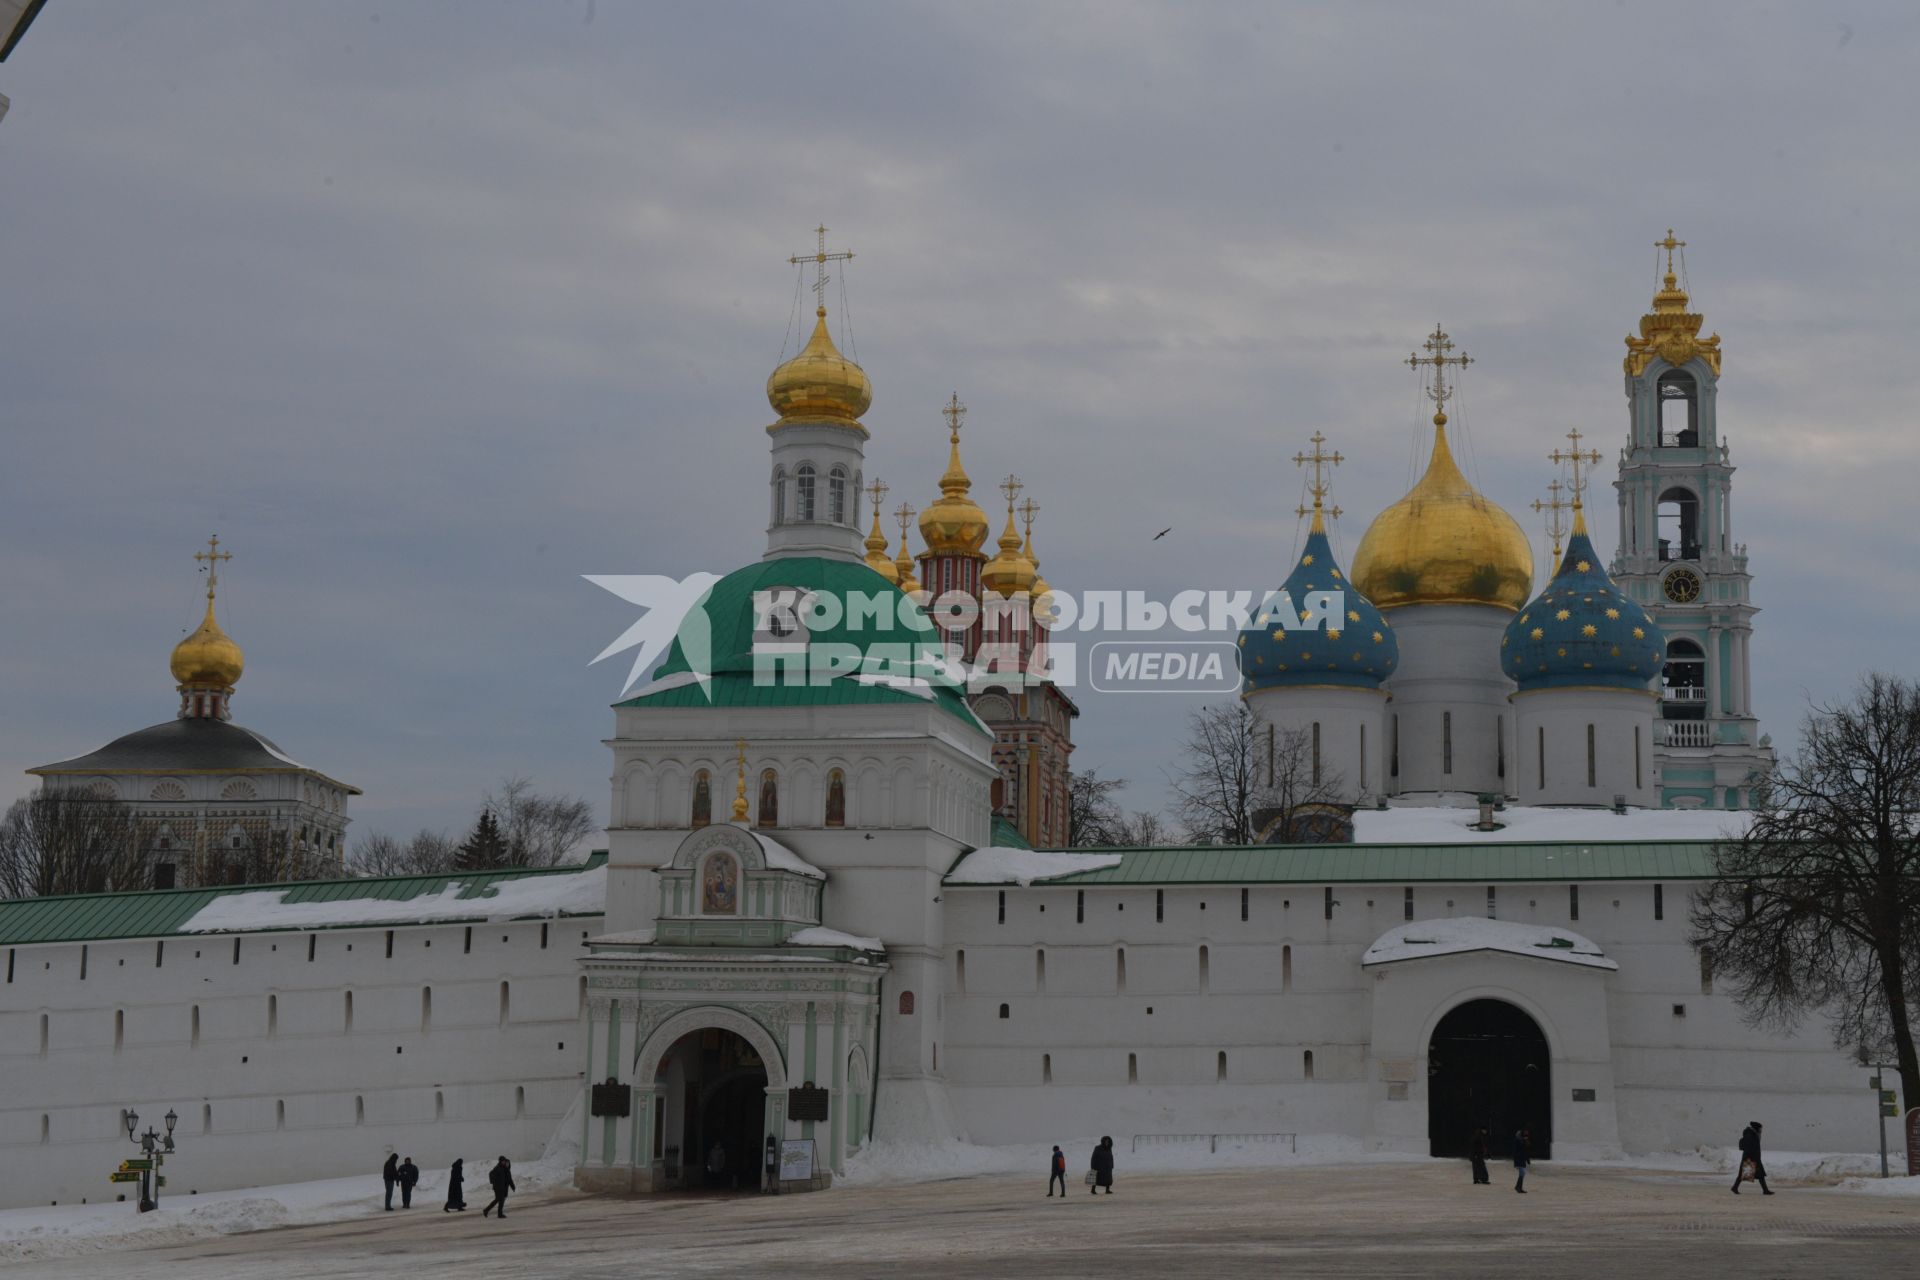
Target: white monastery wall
x,y
287,1056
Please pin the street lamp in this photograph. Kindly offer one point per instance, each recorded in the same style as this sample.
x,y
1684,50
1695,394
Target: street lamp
x,y
155,1147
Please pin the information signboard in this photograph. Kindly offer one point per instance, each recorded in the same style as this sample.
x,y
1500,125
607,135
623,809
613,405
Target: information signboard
x,y
796,1159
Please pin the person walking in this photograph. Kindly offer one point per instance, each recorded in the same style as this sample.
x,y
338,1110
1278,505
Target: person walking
x,y
390,1177
1750,1156
1522,1157
501,1176
1102,1167
456,1187
1477,1153
1057,1172
409,1174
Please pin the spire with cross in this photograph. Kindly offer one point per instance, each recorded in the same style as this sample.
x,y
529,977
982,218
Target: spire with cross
x,y
1669,244
877,491
1321,461
1576,458
820,257
954,412
213,555
1011,486
1555,508
1028,510
1437,345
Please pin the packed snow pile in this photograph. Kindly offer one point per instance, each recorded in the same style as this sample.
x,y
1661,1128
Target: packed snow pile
x,y
1024,866
815,936
781,858
527,897
1440,824
1457,935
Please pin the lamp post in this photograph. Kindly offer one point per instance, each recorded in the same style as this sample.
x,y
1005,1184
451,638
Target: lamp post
x,y
156,1147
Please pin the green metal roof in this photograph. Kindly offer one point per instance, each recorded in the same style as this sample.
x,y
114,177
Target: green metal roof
x,y
159,913
1397,863
1006,835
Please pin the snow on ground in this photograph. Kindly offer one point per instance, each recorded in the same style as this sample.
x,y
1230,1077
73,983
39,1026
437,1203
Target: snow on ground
x,y
533,896
1432,824
1454,936
65,1231
882,1163
1024,866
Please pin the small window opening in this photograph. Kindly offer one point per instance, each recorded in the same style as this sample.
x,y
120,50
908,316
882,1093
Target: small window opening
x,y
1406,906
1046,1068
1306,1064
1133,1068
1120,969
1005,1013
1205,977
1220,1067
1659,902
1286,969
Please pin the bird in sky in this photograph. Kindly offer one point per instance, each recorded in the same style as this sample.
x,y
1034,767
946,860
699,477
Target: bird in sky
x,y
1163,533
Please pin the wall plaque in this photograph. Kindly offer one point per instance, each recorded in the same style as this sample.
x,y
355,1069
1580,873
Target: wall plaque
x,y
807,1103
612,1099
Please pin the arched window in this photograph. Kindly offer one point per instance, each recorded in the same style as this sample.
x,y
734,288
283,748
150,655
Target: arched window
x,y
906,1004
779,495
1679,398
836,798
837,496
769,815
1684,680
1679,525
702,800
803,492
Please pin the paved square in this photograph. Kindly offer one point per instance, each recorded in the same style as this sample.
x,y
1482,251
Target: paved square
x,y
1397,1221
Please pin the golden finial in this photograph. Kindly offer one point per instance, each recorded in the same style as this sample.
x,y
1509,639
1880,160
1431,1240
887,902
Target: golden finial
x,y
1318,486
213,555
1576,458
1670,244
1011,486
820,257
1437,345
1670,331
1028,510
953,524
954,412
1554,506
877,558
740,786
903,566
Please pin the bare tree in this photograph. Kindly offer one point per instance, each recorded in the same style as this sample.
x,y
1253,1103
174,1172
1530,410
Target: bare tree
x,y
1817,907
1141,829
1093,815
66,840
1232,783
379,854
539,830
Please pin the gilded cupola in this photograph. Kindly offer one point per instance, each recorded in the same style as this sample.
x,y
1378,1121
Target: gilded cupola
x,y
207,664
1443,543
877,558
819,384
953,524
1670,331
1010,572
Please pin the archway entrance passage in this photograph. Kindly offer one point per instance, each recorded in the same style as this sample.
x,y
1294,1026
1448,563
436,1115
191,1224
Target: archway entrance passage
x,y
1488,1068
713,1086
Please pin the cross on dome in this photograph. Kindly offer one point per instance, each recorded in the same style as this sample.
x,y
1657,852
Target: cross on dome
x,y
1437,345
213,555
1575,458
1554,505
1669,244
1320,460
953,413
820,257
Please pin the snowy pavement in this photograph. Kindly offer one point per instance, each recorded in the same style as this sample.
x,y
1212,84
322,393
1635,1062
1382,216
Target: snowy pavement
x,y
1309,1217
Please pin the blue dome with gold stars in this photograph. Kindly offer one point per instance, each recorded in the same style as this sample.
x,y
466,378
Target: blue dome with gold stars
x,y
1581,630
1353,646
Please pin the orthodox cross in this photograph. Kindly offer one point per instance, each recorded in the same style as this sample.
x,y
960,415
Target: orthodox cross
x,y
740,787
1028,510
1575,458
1438,344
1669,244
1554,505
1320,460
820,258
904,514
878,492
213,555
1011,486
953,412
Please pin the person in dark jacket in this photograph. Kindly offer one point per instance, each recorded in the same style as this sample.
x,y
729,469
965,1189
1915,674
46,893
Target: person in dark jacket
x,y
1057,1172
456,1187
1522,1157
1750,1150
409,1174
1102,1167
390,1177
501,1176
1477,1153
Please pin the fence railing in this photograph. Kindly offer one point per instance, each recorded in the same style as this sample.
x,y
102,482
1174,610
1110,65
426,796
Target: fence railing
x,y
1686,733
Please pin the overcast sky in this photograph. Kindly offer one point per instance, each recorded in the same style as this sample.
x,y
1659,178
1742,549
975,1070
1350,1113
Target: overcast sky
x,y
429,309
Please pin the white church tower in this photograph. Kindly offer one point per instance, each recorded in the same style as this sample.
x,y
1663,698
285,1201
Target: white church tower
x,y
1679,558
1449,569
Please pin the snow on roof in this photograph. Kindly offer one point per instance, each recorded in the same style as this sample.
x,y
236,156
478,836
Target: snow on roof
x,y
816,936
1024,866
781,858
533,896
1436,824
1460,934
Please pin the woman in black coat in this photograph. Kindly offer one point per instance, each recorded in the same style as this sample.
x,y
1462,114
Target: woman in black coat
x,y
456,1190
1102,1167
390,1176
1477,1153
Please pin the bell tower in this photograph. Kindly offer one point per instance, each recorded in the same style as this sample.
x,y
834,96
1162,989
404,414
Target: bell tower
x,y
1678,557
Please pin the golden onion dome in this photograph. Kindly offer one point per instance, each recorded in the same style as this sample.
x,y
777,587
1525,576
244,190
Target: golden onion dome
x,y
904,565
954,524
1443,543
1010,572
877,558
208,656
819,383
